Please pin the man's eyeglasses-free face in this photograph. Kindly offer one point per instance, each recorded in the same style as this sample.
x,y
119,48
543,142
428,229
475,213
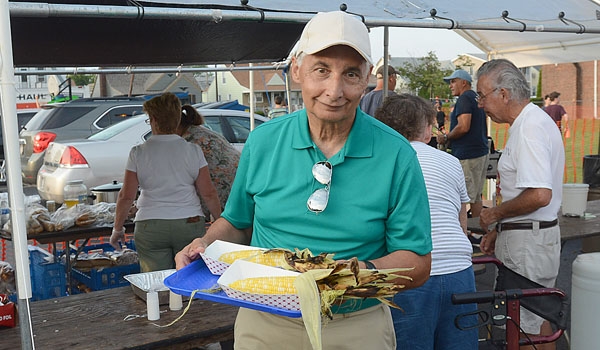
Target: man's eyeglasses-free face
x,y
481,96
322,172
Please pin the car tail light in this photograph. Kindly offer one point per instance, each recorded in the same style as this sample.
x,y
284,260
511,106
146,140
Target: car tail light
x,y
42,140
71,156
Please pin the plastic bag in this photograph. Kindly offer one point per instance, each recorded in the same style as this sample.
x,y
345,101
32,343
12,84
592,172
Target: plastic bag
x,y
32,212
105,213
64,217
7,278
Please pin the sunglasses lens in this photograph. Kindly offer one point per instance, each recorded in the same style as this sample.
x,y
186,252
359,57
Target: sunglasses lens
x,y
317,202
322,172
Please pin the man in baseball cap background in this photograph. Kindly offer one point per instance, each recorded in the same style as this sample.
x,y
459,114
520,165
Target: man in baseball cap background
x,y
468,136
329,178
459,74
374,99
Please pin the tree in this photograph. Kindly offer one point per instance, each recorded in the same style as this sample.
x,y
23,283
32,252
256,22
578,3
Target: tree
x,y
82,79
425,77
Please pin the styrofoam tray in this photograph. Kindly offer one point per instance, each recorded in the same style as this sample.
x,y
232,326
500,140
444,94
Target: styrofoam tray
x,y
241,269
214,251
196,276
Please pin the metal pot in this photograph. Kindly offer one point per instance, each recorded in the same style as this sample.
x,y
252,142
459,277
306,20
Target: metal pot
x,y
107,193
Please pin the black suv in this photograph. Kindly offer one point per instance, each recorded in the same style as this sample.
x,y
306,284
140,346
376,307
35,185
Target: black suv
x,y
23,116
67,121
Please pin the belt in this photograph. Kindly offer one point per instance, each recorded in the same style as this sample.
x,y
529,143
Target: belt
x,y
524,225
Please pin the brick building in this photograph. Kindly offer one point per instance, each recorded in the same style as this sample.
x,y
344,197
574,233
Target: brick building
x,y
576,83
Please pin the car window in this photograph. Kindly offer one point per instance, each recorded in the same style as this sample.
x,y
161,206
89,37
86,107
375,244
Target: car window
x,y
116,129
214,124
37,120
241,127
118,114
59,117
24,118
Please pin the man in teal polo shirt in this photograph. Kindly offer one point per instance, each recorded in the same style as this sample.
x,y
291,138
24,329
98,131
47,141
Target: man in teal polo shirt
x,y
332,179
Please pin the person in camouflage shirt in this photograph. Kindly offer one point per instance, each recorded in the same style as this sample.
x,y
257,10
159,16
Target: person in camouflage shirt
x,y
221,156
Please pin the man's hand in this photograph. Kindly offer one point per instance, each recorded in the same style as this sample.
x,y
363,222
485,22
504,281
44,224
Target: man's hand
x,y
488,243
442,138
487,217
189,253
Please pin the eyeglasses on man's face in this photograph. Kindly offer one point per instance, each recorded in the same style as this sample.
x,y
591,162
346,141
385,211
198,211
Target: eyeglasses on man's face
x,y
322,172
481,96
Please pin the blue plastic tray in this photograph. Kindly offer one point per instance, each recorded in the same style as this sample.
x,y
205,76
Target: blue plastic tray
x,y
197,276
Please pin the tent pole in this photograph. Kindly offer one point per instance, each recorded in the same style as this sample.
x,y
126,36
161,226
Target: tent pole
x,y
251,98
13,172
287,88
46,10
386,44
595,89
596,94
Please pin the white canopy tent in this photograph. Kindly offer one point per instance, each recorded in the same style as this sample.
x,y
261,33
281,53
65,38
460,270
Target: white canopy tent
x,y
228,31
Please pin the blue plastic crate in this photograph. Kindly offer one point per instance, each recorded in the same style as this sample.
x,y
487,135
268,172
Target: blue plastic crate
x,y
48,279
107,277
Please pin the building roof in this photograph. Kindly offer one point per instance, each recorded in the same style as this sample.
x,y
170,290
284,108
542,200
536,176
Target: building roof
x,y
264,80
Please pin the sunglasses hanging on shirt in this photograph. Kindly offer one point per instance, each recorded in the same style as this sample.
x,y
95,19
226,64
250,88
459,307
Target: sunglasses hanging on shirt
x,y
322,172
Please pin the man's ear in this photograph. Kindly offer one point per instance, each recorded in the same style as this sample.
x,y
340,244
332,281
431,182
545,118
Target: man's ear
x,y
505,94
295,70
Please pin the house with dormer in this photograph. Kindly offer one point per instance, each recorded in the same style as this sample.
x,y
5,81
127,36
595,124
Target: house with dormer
x,y
147,83
235,85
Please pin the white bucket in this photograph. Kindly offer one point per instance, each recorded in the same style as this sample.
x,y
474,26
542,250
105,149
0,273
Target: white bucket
x,y
574,199
585,302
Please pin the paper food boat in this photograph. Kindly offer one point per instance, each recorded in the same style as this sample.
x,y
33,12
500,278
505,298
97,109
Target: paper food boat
x,y
216,249
242,269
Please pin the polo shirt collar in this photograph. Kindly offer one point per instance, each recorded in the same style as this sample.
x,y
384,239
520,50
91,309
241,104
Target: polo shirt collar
x,y
359,143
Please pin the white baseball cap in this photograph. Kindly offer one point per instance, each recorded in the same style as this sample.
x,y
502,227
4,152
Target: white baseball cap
x,y
327,29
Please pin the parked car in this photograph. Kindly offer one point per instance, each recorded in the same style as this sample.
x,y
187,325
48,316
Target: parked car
x,y
23,116
67,121
101,158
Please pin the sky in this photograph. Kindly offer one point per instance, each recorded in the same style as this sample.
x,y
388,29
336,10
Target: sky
x,y
417,42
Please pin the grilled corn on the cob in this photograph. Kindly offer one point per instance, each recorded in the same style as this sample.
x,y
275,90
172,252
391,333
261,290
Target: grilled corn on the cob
x,y
266,285
230,257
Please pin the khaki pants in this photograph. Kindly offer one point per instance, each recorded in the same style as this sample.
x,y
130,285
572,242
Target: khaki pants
x,y
158,240
475,170
371,328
